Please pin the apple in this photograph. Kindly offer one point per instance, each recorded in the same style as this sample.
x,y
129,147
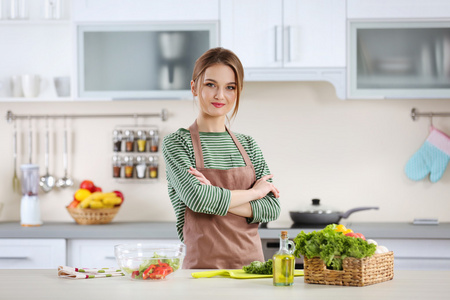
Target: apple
x,y
120,195
88,185
97,189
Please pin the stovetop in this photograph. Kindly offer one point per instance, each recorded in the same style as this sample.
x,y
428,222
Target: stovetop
x,y
291,225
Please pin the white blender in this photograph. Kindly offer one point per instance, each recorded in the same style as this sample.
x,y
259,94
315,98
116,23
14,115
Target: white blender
x,y
30,212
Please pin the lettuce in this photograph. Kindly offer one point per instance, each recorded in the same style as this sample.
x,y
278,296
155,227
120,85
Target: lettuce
x,y
331,246
258,267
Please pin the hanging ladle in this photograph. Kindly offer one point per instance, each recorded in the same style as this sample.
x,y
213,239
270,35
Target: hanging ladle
x,y
65,181
16,181
47,181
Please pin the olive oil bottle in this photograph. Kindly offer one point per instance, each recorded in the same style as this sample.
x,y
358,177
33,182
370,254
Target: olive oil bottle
x,y
284,262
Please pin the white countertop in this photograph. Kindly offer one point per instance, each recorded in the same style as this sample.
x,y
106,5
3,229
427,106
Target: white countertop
x,y
45,284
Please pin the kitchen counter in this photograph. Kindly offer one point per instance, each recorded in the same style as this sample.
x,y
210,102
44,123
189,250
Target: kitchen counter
x,y
167,230
44,284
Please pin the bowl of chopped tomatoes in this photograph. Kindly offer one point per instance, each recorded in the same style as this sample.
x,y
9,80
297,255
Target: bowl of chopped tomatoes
x,y
151,262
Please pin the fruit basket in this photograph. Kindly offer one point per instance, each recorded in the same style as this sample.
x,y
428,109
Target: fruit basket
x,y
90,216
356,272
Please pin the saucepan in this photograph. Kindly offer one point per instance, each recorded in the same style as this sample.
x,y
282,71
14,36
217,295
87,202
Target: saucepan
x,y
315,214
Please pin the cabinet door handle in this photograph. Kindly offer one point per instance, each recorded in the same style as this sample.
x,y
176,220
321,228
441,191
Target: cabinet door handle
x,y
289,29
277,44
110,257
13,257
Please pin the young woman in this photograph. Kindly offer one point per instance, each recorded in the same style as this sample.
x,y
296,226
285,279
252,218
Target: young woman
x,y
219,184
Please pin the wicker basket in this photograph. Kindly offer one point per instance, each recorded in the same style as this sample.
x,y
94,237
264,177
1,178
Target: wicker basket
x,y
356,272
89,216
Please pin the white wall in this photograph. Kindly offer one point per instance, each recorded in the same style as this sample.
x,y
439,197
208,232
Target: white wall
x,y
347,153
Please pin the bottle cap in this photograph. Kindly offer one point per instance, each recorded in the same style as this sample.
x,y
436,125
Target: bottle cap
x,y
284,234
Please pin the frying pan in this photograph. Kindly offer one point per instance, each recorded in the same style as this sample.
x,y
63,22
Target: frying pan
x,y
323,217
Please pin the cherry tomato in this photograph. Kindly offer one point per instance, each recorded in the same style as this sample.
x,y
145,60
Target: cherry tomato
x,y
352,234
360,235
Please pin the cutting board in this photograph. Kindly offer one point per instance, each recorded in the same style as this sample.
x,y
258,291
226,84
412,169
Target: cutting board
x,y
238,273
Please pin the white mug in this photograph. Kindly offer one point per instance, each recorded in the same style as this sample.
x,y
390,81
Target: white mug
x,y
31,85
62,86
16,86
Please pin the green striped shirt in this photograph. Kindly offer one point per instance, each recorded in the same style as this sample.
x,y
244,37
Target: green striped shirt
x,y
219,152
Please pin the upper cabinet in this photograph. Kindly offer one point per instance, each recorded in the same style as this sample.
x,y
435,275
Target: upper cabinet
x,y
398,9
144,10
287,40
399,60
398,49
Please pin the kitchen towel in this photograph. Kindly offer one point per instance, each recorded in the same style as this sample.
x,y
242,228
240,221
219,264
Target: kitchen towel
x,y
85,273
432,158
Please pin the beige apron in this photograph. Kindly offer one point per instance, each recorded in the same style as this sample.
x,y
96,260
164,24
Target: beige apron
x,y
221,242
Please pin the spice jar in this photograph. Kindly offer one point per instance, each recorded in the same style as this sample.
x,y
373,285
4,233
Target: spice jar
x,y
117,166
117,140
129,140
141,140
153,140
153,166
141,167
129,166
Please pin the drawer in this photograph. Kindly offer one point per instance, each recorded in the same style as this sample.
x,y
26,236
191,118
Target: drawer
x,y
32,253
99,253
417,248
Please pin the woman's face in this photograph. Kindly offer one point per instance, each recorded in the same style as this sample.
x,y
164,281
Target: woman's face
x,y
217,92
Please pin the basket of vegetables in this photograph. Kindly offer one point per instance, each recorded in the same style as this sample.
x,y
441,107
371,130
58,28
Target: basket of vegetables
x,y
338,256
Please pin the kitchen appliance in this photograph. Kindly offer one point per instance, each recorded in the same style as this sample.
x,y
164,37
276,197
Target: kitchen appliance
x,y
317,214
30,212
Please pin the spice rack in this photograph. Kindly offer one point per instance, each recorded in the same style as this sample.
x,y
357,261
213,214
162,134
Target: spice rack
x,y
136,153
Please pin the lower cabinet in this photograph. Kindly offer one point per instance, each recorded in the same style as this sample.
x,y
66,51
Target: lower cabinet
x,y
32,253
84,253
419,254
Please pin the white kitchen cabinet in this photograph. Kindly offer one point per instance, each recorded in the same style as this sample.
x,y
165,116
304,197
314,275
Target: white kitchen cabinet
x,y
35,46
253,30
32,253
100,253
401,59
144,10
398,9
314,33
419,254
285,33
287,40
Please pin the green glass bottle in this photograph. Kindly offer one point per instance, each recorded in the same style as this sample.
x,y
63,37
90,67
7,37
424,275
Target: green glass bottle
x,y
284,262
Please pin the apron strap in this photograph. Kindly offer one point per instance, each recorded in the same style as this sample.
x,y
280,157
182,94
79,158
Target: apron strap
x,y
198,153
241,149
195,136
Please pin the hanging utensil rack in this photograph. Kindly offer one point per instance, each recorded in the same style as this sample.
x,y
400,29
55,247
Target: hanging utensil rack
x,y
415,115
10,116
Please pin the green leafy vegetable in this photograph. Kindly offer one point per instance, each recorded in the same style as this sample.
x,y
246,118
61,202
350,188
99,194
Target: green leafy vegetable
x,y
331,246
258,267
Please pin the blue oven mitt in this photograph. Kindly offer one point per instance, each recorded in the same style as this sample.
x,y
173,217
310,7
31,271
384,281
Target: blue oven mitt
x,y
432,158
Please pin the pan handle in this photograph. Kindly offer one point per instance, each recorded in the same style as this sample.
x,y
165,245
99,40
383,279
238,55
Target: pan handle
x,y
350,211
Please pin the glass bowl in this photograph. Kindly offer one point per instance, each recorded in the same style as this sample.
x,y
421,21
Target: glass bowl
x,y
152,261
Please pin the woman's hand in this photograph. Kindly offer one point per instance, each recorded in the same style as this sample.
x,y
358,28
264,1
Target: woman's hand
x,y
199,176
262,187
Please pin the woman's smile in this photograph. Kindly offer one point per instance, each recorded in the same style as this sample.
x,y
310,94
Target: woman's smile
x,y
218,104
